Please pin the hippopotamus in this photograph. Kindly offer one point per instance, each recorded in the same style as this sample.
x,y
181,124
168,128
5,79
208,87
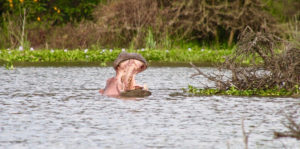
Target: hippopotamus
x,y
127,65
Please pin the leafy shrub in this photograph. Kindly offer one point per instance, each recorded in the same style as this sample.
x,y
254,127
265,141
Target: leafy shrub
x,y
54,12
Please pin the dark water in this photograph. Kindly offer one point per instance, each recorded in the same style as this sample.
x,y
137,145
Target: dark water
x,y
60,107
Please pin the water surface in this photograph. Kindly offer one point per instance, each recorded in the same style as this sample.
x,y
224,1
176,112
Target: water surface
x,y
60,107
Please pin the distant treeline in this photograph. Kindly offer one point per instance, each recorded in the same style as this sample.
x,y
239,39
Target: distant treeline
x,y
137,23
55,12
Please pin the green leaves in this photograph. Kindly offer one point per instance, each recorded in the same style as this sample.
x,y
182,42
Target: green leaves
x,y
174,55
251,92
9,66
60,11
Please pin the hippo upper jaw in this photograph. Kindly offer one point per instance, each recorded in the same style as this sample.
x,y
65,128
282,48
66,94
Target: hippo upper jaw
x,y
124,56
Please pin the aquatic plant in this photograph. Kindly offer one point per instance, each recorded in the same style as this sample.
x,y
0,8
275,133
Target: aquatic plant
x,y
232,91
9,66
104,56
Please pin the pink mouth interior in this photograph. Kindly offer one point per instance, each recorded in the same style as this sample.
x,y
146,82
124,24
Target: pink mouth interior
x,y
126,73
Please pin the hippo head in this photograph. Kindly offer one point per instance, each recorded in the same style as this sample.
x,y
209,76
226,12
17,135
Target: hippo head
x,y
127,65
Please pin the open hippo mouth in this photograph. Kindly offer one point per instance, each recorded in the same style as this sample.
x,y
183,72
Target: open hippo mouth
x,y
127,66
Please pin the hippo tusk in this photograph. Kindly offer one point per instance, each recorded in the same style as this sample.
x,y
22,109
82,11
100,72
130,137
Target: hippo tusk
x,y
145,87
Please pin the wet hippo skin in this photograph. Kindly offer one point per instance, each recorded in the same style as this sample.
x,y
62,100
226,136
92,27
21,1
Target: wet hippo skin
x,y
127,65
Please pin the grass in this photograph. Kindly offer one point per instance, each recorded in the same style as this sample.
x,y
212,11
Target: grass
x,y
272,92
104,56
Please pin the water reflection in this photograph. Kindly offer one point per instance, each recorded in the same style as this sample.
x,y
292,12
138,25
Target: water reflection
x,y
61,108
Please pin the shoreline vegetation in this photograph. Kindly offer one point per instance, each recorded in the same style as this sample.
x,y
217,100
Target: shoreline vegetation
x,y
270,92
104,57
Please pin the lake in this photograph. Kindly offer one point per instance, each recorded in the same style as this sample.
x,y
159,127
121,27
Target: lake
x,y
60,107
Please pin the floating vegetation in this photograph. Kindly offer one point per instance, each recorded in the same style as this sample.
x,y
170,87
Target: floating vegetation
x,y
270,92
9,65
104,56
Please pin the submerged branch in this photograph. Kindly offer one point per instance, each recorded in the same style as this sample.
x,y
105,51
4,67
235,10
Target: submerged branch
x,y
219,82
293,129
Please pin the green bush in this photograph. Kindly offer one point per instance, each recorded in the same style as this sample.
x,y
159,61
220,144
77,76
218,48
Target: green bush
x,y
54,12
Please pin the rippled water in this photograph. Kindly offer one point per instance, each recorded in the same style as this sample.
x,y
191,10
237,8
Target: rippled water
x,y
60,107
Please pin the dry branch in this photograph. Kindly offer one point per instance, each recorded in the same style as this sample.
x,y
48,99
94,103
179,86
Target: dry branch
x,y
293,127
270,66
